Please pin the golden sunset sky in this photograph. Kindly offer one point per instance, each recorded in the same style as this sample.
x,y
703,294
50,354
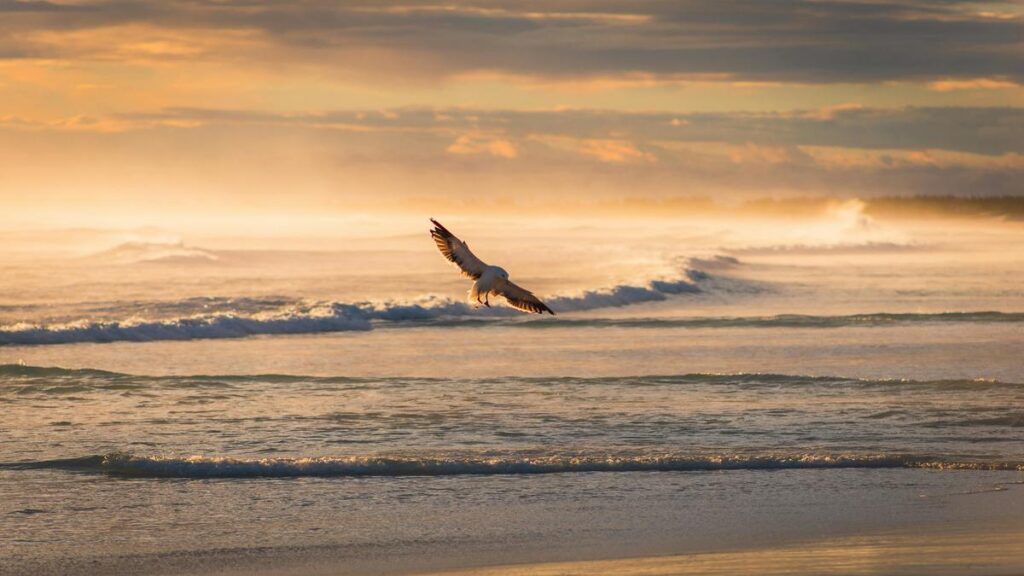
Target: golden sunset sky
x,y
121,108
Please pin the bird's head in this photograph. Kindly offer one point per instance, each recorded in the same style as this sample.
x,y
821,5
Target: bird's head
x,y
502,274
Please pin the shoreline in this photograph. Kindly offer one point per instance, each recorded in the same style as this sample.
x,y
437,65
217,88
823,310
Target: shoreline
x,y
905,553
986,542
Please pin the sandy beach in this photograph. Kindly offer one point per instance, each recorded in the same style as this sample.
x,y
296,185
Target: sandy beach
x,y
937,523
894,554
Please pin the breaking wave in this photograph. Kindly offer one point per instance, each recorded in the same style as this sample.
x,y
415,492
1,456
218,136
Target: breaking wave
x,y
208,318
21,379
298,319
124,464
253,317
325,317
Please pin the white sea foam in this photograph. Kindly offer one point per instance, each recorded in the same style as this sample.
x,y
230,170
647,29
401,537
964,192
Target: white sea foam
x,y
329,317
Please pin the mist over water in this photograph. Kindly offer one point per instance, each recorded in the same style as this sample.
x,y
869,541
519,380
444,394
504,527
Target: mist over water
x,y
840,268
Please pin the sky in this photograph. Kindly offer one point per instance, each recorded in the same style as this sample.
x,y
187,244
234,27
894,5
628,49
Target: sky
x,y
142,109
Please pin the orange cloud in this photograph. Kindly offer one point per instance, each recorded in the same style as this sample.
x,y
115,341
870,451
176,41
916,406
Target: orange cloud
x,y
601,17
950,85
830,112
76,123
609,150
761,154
604,82
745,153
499,148
853,158
144,43
615,151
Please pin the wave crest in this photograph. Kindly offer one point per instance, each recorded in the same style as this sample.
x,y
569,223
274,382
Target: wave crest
x,y
122,464
339,317
22,379
320,317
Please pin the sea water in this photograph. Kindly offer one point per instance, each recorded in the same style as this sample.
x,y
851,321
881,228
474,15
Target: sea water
x,y
175,407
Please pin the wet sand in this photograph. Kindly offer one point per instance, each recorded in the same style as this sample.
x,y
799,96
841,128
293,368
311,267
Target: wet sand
x,y
965,533
895,554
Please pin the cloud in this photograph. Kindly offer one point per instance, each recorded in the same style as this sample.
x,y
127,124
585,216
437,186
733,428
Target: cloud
x,y
801,41
604,150
616,151
342,158
81,123
949,85
985,130
152,101
468,145
830,112
850,158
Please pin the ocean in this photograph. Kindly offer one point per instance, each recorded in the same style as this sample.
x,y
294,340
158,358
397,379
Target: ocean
x,y
218,405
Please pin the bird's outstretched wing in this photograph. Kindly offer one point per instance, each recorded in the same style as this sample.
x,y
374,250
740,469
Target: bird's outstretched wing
x,y
522,299
457,251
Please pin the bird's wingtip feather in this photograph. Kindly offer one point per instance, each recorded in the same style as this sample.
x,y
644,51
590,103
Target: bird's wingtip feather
x,y
440,227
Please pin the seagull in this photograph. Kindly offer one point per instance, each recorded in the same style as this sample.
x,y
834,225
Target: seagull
x,y
488,279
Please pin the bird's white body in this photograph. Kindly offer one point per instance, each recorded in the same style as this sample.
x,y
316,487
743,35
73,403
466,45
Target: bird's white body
x,y
492,281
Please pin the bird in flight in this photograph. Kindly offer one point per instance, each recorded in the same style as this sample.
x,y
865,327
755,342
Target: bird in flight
x,y
487,279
